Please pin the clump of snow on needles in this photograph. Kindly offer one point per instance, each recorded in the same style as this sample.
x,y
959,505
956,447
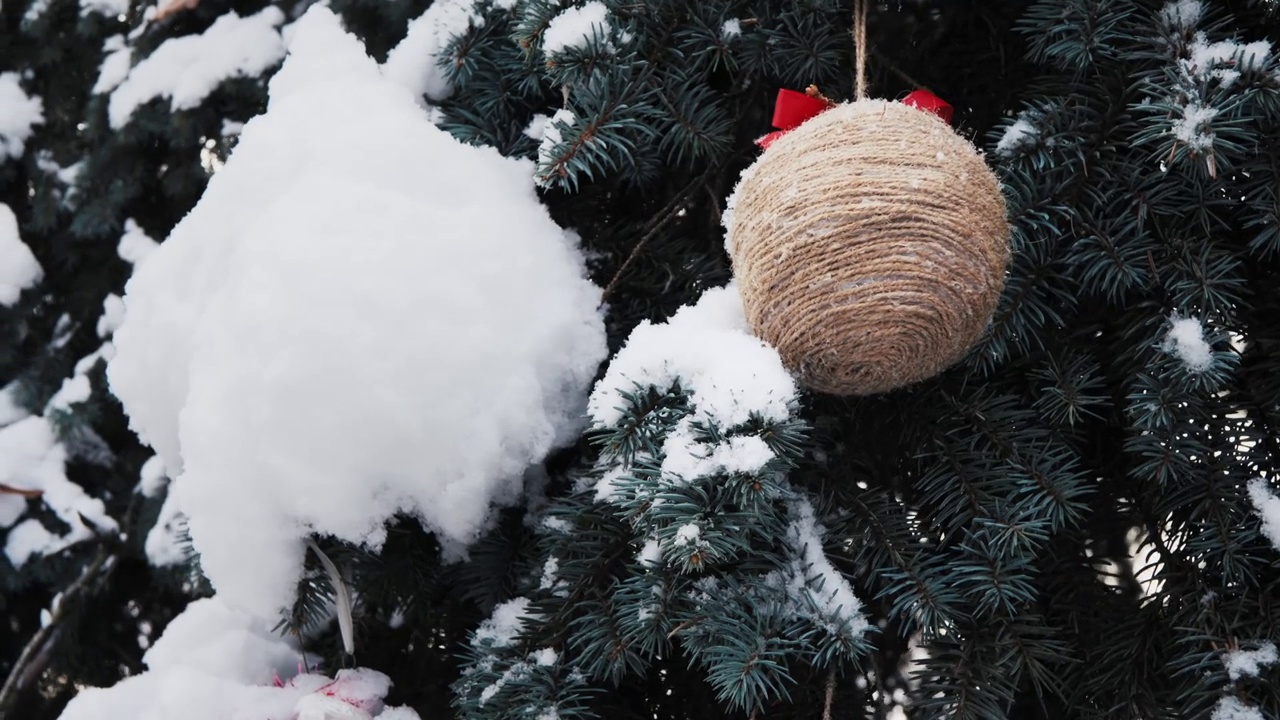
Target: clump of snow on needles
x,y
1230,708
415,62
574,27
361,317
709,349
1022,134
19,113
817,589
115,65
186,69
1182,13
1241,663
1267,505
1186,340
32,459
1199,61
19,268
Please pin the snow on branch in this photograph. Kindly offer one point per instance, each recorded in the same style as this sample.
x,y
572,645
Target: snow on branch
x,y
362,317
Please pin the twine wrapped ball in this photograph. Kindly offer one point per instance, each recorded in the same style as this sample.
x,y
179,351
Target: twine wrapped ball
x,y
870,246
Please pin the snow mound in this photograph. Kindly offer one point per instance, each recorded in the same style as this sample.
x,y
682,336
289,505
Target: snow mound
x,y
19,269
361,317
188,68
214,662
729,373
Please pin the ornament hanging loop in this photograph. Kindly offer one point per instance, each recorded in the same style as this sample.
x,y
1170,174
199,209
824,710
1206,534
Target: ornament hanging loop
x,y
860,48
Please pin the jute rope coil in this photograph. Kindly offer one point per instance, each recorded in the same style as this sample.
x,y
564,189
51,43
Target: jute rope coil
x,y
870,246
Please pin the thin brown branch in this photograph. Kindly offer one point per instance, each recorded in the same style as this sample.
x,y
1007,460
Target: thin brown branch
x,y
24,492
664,217
831,695
35,656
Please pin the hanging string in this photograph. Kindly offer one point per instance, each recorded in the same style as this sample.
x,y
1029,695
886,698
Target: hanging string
x,y
860,47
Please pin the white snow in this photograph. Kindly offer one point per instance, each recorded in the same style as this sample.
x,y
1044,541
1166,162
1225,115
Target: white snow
x,y
1229,708
211,662
1194,127
112,315
729,373
186,69
19,268
152,477
110,8
19,113
816,580
687,459
1020,135
165,543
556,524
1199,61
343,331
545,657
650,554
31,458
687,534
549,570
34,11
537,127
115,65
552,135
1267,505
415,62
1184,14
397,713
1186,340
10,410
575,27
75,389
1242,663
731,28
1224,60
607,485
499,630
214,662
135,245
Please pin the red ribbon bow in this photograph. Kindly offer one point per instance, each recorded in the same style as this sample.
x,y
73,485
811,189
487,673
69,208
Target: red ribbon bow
x,y
793,108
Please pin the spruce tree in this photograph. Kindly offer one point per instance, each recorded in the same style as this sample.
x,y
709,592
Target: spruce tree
x,y
1080,519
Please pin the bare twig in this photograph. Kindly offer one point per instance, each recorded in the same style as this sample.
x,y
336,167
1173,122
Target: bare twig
x,y
831,695
35,656
887,64
660,221
24,492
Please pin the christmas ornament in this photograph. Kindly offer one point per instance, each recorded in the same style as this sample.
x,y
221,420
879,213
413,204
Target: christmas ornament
x,y
869,241
869,245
